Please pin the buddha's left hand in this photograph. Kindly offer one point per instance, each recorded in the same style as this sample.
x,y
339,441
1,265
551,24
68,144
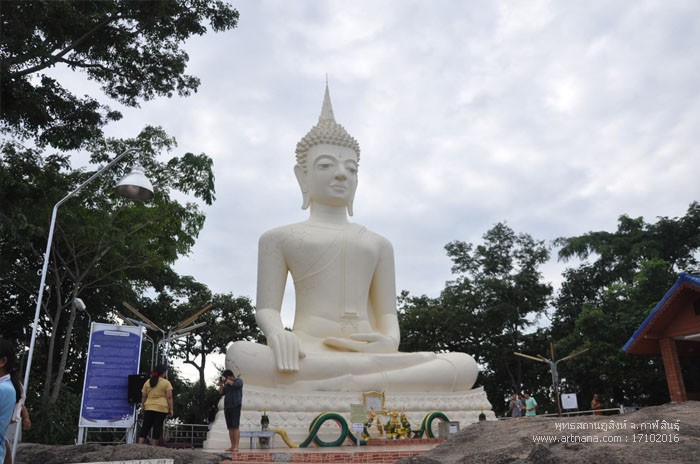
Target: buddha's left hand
x,y
364,343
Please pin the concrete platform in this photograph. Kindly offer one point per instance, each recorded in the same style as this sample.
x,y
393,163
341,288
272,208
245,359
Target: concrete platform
x,y
294,411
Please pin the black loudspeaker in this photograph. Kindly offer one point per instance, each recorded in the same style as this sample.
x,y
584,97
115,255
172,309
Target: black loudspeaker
x,y
136,382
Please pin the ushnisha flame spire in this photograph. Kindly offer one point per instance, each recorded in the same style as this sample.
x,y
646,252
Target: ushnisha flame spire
x,y
325,131
326,108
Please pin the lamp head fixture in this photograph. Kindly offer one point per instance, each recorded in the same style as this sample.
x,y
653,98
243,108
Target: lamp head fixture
x,y
79,304
135,185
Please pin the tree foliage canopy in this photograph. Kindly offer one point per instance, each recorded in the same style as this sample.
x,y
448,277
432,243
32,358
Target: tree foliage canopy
x,y
489,308
131,48
497,294
669,246
228,318
621,277
105,249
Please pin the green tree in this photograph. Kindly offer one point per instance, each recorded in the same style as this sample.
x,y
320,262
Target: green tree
x,y
188,402
106,250
497,295
131,48
54,423
621,277
229,319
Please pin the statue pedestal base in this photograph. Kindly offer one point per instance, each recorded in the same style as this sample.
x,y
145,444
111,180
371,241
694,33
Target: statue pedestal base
x,y
294,411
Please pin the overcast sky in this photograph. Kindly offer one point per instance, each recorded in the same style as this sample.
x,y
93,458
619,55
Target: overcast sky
x,y
555,117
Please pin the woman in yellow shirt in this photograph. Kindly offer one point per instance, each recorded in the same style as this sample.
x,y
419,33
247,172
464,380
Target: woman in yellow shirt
x,y
157,404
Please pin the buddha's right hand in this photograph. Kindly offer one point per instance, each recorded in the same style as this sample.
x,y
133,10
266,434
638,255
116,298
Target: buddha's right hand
x,y
287,350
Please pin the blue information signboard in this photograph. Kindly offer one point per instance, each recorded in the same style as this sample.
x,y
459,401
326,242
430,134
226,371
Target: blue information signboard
x,y
113,355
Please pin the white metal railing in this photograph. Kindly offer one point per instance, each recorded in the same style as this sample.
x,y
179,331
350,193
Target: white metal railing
x,y
106,435
620,410
192,435
186,435
610,411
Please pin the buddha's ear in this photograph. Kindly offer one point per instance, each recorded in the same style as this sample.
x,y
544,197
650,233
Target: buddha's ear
x,y
351,201
301,178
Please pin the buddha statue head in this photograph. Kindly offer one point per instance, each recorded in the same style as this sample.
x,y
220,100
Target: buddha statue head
x,y
327,142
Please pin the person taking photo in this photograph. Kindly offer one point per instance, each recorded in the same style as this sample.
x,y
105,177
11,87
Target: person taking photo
x,y
231,387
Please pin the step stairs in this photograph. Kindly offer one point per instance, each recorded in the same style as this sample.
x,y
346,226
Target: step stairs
x,y
376,451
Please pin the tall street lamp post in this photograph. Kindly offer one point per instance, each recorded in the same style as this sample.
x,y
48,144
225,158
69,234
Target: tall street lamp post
x,y
134,186
553,368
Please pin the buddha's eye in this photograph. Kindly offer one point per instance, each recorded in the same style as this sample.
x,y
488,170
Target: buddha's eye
x,y
324,166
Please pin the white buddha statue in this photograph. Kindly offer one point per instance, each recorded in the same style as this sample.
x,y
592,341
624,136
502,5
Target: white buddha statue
x,y
346,331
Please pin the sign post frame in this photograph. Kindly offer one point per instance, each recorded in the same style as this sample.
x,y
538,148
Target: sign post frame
x,y
114,352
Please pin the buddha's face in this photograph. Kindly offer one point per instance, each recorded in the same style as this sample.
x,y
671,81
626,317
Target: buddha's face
x,y
331,176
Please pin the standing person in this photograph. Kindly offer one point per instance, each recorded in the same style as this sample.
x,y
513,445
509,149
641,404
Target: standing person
x,y
157,404
10,391
530,405
596,405
515,406
21,413
232,389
